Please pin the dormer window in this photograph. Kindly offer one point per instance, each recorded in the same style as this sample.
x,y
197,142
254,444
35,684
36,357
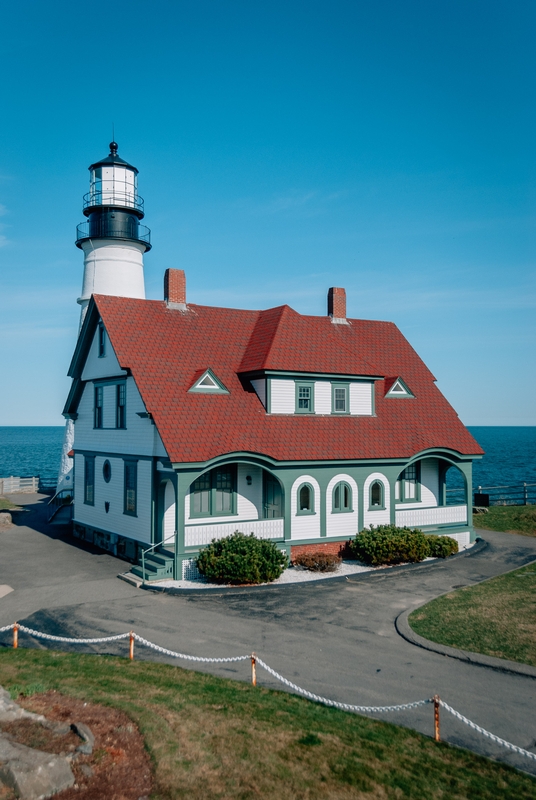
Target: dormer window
x,y
207,383
304,398
398,388
339,398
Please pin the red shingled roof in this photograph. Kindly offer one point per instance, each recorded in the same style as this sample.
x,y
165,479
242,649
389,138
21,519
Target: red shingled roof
x,y
164,348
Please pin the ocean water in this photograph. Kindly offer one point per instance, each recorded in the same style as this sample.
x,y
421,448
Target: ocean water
x,y
510,454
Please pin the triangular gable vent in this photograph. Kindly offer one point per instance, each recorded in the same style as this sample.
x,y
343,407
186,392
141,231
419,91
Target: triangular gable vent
x,y
208,383
399,389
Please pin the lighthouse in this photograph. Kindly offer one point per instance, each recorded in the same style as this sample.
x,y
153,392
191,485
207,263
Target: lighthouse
x,y
114,242
112,237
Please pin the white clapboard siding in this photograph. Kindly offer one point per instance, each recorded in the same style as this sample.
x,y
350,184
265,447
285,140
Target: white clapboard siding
x,y
346,523
322,401
383,516
305,526
197,535
260,388
106,366
361,398
282,396
115,521
248,498
441,515
140,436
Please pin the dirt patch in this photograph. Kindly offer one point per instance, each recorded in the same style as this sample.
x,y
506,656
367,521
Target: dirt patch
x,y
119,767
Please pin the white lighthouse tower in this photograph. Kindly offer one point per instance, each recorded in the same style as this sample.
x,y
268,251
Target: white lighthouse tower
x,y
113,242
112,239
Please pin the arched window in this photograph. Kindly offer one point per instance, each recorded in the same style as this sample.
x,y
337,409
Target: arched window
x,y
342,498
306,498
377,495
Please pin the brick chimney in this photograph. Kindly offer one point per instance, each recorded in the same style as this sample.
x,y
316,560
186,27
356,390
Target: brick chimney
x,y
337,305
175,289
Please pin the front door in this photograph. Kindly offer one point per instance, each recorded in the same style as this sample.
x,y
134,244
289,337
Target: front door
x,y
273,505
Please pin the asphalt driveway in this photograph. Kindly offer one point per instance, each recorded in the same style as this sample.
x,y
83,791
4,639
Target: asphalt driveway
x,y
336,638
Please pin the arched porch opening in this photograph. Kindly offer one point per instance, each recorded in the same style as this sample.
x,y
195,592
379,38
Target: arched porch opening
x,y
453,489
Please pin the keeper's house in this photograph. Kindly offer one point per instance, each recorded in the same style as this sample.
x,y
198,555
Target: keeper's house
x,y
193,422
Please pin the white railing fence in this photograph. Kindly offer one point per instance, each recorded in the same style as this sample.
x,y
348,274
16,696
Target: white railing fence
x,y
16,485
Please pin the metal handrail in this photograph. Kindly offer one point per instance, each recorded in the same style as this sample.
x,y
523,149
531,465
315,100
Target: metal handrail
x,y
143,233
148,550
58,501
113,197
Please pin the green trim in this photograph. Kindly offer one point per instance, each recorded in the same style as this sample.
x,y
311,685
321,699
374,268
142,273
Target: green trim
x,y
326,376
309,511
107,454
304,385
268,395
108,381
219,388
101,340
263,458
339,385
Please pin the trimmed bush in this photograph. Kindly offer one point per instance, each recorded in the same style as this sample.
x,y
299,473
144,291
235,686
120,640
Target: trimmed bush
x,y
441,546
388,544
241,559
317,562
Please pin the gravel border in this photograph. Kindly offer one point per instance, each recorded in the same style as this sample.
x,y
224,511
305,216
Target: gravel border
x,y
292,576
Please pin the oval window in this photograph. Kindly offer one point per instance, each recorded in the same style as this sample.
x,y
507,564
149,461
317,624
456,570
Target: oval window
x,y
107,471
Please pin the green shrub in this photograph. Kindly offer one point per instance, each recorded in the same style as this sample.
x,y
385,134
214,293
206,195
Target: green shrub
x,y
387,544
241,559
317,562
441,546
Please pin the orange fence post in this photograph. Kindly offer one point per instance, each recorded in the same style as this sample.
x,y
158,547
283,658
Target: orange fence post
x,y
16,635
436,717
253,669
131,647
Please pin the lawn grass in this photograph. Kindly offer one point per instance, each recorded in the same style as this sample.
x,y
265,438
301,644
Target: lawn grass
x,y
497,617
517,519
6,505
216,738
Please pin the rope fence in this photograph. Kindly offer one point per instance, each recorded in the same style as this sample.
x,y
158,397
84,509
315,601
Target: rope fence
x,y
256,661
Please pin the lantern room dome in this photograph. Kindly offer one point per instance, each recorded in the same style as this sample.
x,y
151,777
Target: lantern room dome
x,y
112,159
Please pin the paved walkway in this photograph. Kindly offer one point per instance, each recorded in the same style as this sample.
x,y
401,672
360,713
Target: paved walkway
x,y
336,638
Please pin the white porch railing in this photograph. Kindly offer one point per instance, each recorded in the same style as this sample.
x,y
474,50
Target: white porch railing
x,y
195,535
439,515
14,485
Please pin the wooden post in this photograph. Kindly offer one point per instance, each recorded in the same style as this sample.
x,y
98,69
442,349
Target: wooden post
x,y
16,635
131,646
436,718
525,494
253,670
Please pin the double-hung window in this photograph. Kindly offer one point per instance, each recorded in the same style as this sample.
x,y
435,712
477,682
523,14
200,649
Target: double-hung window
x,y
89,480
121,406
305,397
98,408
407,489
131,488
340,403
214,494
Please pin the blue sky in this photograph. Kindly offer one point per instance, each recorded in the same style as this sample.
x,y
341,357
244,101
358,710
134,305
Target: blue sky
x,y
283,147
